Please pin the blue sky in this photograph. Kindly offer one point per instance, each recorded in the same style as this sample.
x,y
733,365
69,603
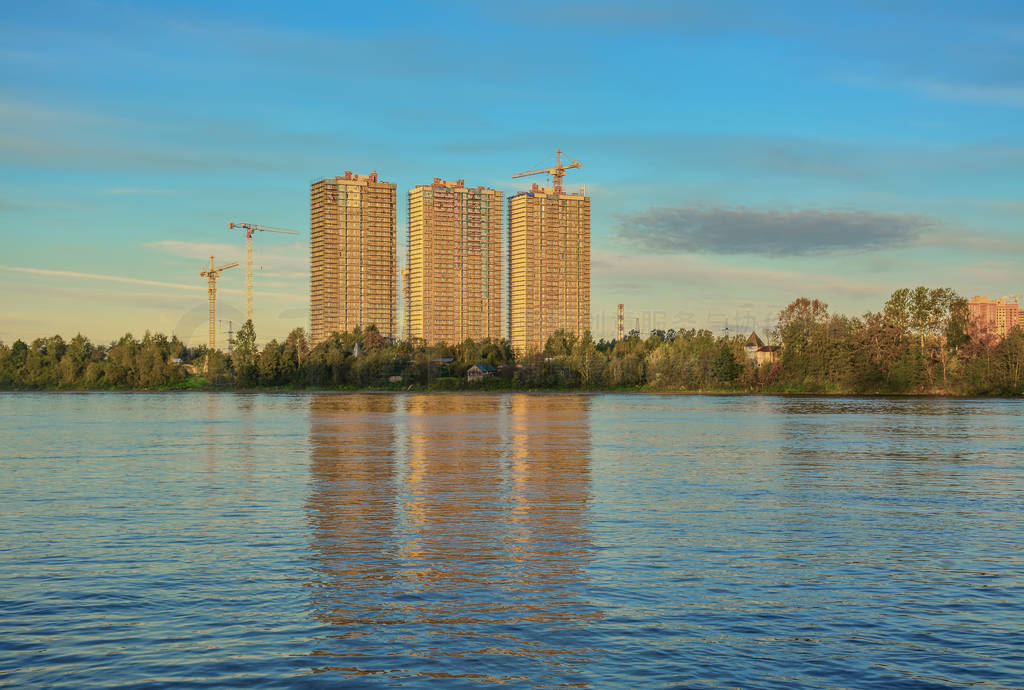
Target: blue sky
x,y
739,155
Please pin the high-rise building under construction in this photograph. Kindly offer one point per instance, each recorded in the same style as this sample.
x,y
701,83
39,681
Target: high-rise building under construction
x,y
548,266
354,263
453,278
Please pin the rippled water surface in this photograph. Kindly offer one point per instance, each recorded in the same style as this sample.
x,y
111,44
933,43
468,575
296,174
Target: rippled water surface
x,y
464,540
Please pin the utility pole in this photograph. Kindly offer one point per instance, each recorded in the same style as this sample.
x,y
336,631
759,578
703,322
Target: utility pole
x,y
231,336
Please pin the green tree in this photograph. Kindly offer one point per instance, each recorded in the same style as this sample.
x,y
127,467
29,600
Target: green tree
x,y
243,356
803,332
587,363
7,371
271,365
1010,357
295,356
724,367
217,368
560,344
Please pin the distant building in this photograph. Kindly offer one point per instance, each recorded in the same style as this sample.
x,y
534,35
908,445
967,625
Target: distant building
x,y
548,266
480,371
190,369
453,278
353,255
752,344
405,303
759,353
992,319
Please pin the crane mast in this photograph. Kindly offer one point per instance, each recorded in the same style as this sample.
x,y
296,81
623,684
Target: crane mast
x,y
211,276
249,229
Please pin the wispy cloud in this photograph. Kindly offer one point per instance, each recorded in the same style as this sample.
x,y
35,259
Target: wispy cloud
x,y
985,94
718,277
99,276
135,191
77,275
743,230
196,250
293,255
972,242
677,16
765,158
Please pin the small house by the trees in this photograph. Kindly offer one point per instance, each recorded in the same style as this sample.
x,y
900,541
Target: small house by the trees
x,y
759,353
480,371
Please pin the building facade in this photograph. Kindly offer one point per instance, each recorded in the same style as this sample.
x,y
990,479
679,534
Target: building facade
x,y
452,284
354,261
548,266
992,319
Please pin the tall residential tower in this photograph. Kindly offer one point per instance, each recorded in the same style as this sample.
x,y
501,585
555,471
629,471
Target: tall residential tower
x,y
354,264
548,266
453,278
992,319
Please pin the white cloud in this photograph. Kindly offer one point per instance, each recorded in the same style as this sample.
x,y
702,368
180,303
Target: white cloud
x,y
200,285
290,258
98,276
196,250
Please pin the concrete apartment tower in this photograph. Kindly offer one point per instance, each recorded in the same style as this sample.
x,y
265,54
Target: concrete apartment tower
x,y
354,262
548,266
453,278
992,319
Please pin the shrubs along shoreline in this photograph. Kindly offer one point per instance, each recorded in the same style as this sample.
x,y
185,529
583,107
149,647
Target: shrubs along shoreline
x,y
919,344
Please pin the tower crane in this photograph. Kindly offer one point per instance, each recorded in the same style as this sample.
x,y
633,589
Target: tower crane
x,y
557,172
249,229
211,275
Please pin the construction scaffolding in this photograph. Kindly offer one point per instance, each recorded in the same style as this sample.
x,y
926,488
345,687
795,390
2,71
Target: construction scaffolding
x,y
353,255
453,288
548,266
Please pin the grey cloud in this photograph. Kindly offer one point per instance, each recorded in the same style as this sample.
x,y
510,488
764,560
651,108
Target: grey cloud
x,y
743,230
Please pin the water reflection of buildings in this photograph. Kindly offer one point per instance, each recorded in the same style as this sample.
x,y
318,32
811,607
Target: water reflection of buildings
x,y
453,489
352,504
549,482
449,524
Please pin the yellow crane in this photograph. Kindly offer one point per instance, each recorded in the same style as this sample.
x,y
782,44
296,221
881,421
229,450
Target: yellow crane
x,y
557,172
249,229
211,275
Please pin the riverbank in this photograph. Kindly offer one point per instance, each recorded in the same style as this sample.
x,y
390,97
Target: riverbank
x,y
198,384
817,354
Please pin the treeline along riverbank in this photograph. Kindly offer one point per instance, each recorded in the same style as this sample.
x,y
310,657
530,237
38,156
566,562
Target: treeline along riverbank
x,y
920,343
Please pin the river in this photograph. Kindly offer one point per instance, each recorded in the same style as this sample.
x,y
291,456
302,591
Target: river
x,y
461,540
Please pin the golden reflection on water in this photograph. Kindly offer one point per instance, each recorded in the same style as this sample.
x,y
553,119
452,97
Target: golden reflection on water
x,y
453,486
351,505
441,523
549,473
